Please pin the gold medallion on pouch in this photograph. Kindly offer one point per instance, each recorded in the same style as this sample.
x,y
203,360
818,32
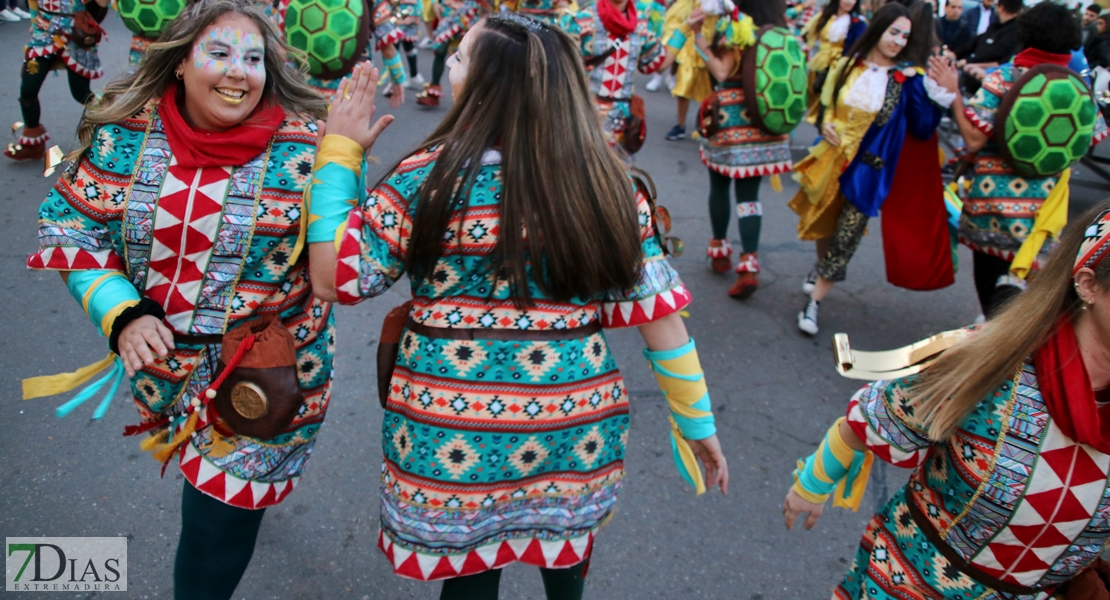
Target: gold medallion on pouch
x,y
249,400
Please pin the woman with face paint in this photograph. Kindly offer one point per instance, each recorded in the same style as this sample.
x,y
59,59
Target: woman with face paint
x,y
179,224
836,28
874,97
506,419
1006,438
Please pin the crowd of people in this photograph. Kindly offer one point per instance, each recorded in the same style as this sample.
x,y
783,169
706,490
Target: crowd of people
x,y
219,205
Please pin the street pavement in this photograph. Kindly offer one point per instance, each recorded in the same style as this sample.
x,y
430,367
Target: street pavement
x,y
774,391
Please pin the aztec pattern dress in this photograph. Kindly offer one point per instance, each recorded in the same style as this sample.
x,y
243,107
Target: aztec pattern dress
x,y
130,207
407,17
739,148
494,451
458,16
1009,494
1001,205
611,81
51,35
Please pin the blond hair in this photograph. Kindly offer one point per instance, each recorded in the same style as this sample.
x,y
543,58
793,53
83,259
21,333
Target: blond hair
x,y
951,387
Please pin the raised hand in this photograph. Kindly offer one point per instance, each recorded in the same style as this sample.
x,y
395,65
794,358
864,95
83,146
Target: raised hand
x,y
352,109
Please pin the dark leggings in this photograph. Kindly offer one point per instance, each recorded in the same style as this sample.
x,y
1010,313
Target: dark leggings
x,y
410,55
747,205
217,541
438,62
987,270
33,76
560,584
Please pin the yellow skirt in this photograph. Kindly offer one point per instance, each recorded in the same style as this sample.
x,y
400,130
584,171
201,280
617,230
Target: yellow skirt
x,y
819,202
692,82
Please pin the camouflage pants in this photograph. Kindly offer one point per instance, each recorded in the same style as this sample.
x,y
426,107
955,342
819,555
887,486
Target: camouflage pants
x,y
850,228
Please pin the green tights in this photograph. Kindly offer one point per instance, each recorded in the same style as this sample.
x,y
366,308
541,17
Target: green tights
x,y
748,208
217,541
560,584
438,62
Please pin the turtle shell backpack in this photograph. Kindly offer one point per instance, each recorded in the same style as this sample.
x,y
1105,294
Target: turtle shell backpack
x,y
1047,121
332,33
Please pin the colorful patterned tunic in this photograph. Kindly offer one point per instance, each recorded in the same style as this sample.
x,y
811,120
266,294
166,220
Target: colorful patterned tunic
x,y
1009,493
212,246
458,16
740,148
494,451
611,80
544,11
51,31
407,18
1001,205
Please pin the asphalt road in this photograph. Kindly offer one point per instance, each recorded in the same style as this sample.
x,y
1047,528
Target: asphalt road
x,y
775,393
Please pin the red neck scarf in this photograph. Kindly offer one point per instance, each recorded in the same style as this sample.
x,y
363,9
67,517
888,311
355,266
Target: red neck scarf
x,y
1031,57
618,25
1067,392
198,148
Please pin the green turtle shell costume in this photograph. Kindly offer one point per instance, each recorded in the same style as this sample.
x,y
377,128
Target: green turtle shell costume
x,y
1048,120
148,18
333,33
774,76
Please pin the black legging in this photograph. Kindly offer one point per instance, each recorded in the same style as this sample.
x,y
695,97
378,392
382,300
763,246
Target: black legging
x,y
559,584
33,75
987,270
410,56
720,209
217,541
438,62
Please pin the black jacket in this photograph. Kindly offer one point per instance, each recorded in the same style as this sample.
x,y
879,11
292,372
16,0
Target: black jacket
x,y
953,34
1097,51
971,18
998,45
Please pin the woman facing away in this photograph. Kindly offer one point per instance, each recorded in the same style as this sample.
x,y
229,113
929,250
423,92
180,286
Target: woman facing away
x,y
506,418
175,227
739,152
1008,436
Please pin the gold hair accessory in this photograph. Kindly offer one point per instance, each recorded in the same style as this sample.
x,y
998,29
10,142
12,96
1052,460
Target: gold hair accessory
x,y
892,364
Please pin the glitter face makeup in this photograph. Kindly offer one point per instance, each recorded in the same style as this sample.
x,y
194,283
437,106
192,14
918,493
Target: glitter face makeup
x,y
225,73
895,37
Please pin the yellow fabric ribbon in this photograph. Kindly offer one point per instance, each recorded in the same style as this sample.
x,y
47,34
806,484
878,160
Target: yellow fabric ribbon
x,y
162,447
1051,218
50,385
834,447
684,393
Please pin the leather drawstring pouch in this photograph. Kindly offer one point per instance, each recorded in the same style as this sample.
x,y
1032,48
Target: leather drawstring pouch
x,y
86,33
389,343
261,395
1090,584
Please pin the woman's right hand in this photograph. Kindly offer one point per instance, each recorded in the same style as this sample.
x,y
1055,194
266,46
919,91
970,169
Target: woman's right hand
x,y
709,453
829,134
141,341
352,109
695,20
795,505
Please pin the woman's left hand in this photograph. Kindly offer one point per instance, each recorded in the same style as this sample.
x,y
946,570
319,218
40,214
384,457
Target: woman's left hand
x,y
352,109
794,506
712,459
397,98
696,19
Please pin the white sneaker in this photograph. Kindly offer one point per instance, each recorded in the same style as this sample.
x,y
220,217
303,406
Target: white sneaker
x,y
810,283
655,83
387,91
9,16
415,83
425,43
807,319
22,14
671,81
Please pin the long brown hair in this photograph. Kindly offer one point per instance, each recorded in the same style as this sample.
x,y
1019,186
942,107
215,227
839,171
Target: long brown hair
x,y
951,387
882,20
126,96
831,9
567,208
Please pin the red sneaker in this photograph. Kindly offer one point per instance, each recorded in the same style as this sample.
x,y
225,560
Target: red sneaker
x,y
747,280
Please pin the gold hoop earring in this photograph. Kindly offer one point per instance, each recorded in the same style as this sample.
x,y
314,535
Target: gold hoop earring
x,y
180,75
